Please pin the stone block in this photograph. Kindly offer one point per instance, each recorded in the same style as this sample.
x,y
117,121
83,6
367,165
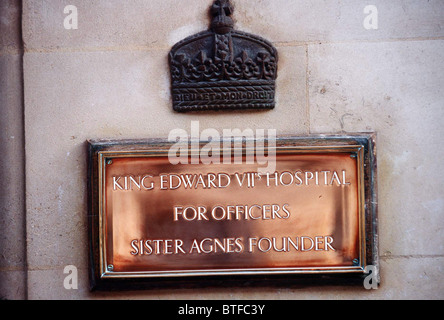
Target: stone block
x,y
10,26
13,284
393,88
115,24
337,21
402,278
112,24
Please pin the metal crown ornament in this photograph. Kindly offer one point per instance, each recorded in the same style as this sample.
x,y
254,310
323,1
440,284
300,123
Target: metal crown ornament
x,y
223,69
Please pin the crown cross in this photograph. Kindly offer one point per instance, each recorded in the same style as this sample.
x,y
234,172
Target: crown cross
x,y
221,11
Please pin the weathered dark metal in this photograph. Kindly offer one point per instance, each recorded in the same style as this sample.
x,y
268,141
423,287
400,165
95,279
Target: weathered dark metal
x,y
223,69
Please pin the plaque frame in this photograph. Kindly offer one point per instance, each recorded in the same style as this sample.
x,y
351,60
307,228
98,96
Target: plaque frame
x,y
361,145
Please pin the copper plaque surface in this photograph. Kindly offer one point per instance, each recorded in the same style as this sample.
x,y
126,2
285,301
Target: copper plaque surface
x,y
158,220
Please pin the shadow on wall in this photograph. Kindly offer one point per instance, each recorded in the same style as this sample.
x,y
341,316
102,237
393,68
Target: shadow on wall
x,y
12,165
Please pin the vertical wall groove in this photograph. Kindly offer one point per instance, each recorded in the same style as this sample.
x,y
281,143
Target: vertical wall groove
x,y
13,273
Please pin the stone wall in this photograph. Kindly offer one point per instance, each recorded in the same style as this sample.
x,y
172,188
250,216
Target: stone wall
x,y
110,79
12,171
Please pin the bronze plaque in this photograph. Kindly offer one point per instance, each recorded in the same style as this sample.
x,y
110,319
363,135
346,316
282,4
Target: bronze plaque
x,y
153,219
